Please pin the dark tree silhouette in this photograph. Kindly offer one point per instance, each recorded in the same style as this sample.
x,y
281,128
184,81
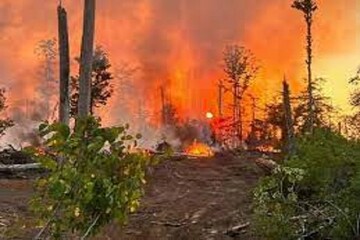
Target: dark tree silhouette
x,y
289,144
308,8
101,86
323,110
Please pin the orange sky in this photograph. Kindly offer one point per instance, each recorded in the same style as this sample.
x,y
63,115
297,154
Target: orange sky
x,y
180,42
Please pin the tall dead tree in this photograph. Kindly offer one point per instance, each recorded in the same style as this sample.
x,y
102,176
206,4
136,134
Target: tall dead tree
x,y
289,137
240,69
163,104
86,58
221,89
64,74
308,8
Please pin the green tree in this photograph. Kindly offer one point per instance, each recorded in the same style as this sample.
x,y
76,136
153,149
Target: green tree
x,y
101,86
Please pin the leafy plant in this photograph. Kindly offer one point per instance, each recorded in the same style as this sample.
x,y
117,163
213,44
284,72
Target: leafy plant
x,y
275,198
323,199
93,177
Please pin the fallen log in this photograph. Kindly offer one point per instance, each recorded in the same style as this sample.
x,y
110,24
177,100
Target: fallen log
x,y
236,230
267,165
19,167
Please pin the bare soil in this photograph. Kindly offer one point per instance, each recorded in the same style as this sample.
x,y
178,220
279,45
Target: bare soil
x,y
200,198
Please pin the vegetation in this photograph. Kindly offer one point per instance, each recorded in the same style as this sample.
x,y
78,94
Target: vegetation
x,y
93,178
314,194
101,87
95,175
4,123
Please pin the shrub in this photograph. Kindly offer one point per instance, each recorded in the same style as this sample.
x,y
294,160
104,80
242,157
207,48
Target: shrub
x,y
93,178
323,200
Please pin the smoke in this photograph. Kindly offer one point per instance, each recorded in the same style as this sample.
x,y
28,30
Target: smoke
x,y
177,44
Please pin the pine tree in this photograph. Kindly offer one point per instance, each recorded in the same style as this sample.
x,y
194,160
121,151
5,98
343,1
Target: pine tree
x,y
101,86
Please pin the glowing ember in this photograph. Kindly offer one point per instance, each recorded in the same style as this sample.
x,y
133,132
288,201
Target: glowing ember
x,y
209,115
199,150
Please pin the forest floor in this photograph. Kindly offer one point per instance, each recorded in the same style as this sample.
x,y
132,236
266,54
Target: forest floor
x,y
189,199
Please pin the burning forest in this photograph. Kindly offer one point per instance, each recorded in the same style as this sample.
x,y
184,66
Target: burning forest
x,y
174,119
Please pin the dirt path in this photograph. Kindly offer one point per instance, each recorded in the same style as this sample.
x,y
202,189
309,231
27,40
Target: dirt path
x,y
191,199
194,199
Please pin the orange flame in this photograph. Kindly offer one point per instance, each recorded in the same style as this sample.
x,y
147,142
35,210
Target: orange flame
x,y
199,150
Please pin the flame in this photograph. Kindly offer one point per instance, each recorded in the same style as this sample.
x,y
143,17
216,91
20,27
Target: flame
x,y
199,150
209,115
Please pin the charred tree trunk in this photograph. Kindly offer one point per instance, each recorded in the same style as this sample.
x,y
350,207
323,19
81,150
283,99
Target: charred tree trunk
x,y
236,115
64,103
220,98
163,110
240,126
290,147
86,58
311,104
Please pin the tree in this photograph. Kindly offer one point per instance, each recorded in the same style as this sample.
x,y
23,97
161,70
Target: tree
x,y
276,111
64,65
46,51
86,58
169,116
353,121
240,70
101,87
289,144
275,118
308,8
4,123
322,109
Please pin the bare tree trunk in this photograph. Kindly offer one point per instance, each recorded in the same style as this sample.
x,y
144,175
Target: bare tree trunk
x,y
240,125
311,103
235,114
87,47
308,7
290,145
163,110
220,98
64,107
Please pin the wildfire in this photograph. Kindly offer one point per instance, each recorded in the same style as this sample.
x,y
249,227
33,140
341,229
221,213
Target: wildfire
x,y
199,150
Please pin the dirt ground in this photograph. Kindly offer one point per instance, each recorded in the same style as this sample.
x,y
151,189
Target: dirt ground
x,y
189,199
